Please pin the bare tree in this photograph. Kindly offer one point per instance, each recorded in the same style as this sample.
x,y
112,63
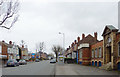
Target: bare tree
x,y
8,13
40,47
56,50
22,42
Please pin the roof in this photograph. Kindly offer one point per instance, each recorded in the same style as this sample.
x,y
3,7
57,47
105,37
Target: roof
x,y
3,43
110,28
88,39
10,45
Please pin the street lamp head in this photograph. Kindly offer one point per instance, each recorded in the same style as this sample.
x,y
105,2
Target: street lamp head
x,y
60,33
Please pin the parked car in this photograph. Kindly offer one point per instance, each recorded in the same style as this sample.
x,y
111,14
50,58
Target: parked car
x,y
12,62
22,62
53,61
37,60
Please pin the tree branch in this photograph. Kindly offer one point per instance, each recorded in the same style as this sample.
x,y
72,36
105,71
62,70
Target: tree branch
x,y
12,8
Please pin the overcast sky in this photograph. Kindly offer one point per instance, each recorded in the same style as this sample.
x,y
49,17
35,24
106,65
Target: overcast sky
x,y
43,20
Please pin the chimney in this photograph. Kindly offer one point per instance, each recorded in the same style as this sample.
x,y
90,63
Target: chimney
x,y
95,35
83,36
75,42
72,44
22,46
78,38
10,42
3,41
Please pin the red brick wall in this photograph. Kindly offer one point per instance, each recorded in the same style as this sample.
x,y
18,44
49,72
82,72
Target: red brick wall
x,y
85,56
94,46
4,50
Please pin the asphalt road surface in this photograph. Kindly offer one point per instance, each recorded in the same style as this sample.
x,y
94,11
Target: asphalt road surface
x,y
35,68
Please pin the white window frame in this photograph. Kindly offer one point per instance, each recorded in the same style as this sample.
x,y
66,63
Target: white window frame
x,y
100,52
96,53
92,53
80,54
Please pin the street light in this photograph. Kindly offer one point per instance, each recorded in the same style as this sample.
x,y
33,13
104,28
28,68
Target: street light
x,y
63,43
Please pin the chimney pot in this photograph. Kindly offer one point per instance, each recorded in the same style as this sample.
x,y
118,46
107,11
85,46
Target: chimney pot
x,y
75,42
22,46
78,39
10,42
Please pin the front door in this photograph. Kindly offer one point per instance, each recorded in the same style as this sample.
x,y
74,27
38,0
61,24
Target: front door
x,y
109,50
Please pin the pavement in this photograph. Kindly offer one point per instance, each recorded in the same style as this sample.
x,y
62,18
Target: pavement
x,y
34,68
77,69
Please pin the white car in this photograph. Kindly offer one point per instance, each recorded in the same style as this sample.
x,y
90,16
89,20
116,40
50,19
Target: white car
x,y
53,61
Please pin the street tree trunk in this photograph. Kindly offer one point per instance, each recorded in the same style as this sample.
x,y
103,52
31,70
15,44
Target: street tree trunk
x,y
56,57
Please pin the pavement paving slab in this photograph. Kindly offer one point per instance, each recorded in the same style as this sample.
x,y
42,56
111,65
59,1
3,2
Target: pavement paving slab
x,y
77,69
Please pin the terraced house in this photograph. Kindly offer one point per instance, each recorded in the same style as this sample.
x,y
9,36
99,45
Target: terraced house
x,y
12,51
91,51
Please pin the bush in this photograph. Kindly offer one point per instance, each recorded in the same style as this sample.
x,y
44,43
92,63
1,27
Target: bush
x,y
33,59
69,60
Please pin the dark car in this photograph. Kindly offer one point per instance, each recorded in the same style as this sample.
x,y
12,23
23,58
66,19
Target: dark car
x,y
53,61
37,60
12,62
22,62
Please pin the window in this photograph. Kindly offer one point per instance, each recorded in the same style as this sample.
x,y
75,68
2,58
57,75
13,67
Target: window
x,y
92,53
119,49
100,52
0,49
95,53
109,39
80,54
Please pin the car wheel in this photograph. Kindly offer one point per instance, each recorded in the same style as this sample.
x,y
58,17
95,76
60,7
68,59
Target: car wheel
x,y
15,65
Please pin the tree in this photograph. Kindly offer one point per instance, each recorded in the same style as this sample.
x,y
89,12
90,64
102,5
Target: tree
x,y
8,13
56,50
40,46
22,42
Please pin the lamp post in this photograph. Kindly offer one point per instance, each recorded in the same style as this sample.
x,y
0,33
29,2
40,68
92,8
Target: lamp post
x,y
63,43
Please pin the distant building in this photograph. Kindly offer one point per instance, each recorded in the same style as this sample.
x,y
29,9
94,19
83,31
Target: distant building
x,y
24,52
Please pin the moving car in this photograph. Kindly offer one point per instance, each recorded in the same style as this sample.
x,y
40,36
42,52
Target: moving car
x,y
12,62
37,60
22,62
53,61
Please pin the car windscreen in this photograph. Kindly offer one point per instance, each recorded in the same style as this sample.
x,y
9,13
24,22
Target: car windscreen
x,y
10,60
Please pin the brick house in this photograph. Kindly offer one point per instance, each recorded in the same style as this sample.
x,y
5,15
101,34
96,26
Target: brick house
x,y
13,51
4,53
91,51
84,47
111,46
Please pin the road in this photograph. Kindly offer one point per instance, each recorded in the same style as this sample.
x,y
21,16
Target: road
x,y
36,68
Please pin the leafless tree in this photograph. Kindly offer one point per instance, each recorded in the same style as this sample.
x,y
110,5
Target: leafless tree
x,y
40,47
8,13
56,50
22,42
